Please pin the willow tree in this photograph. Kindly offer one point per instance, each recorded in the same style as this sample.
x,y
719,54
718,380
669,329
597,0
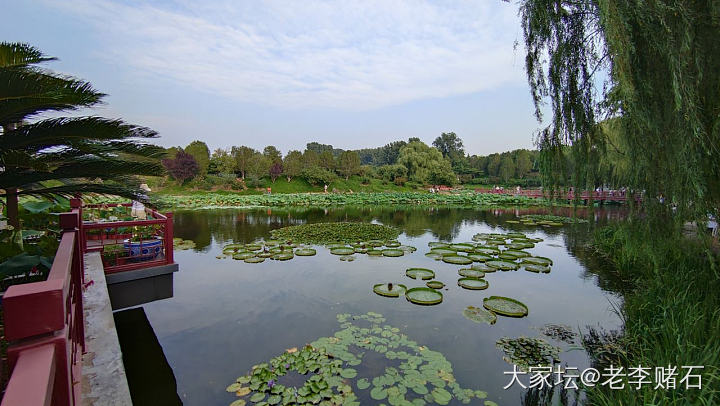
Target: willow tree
x,y
61,156
651,65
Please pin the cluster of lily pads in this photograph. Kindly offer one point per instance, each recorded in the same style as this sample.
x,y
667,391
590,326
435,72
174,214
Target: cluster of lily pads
x,y
330,371
546,220
528,352
338,232
372,248
180,244
259,251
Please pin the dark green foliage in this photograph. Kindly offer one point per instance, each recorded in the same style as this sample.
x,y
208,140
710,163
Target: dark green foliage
x,y
318,176
200,151
321,233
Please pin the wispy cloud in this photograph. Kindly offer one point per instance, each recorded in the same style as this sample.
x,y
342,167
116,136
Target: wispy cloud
x,y
351,55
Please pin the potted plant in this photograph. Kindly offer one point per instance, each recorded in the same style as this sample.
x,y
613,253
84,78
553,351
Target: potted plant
x,y
144,244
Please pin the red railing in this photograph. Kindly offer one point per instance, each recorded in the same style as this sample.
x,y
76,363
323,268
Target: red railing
x,y
114,239
607,195
45,330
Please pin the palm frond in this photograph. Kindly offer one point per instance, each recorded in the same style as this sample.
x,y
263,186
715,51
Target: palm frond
x,y
14,54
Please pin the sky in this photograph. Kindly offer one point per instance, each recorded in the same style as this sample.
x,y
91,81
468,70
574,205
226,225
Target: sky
x,y
354,74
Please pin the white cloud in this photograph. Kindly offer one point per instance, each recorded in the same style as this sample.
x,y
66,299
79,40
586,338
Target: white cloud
x,y
350,55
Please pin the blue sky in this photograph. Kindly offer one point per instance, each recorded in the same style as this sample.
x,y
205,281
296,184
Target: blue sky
x,y
353,74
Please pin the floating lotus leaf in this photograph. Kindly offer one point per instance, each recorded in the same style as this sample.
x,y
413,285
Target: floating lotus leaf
x,y
505,306
243,255
507,256
442,251
512,221
434,256
238,402
283,256
347,258
253,247
266,254
272,243
361,250
392,244
305,252
537,261
528,352
515,235
483,267
419,273
424,296
487,250
375,253
502,265
393,253
457,260
375,243
519,245
342,251
407,248
441,396
335,245
435,284
462,247
437,244
473,283
537,268
471,273
517,254
348,373
389,289
234,387
479,257
363,384
254,260
232,248
258,397
479,315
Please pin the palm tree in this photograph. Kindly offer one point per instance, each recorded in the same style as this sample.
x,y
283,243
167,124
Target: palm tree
x,y
67,155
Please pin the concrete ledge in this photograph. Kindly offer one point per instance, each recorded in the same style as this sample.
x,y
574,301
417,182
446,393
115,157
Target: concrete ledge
x,y
103,375
127,276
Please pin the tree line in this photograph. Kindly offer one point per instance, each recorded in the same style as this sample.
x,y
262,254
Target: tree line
x,y
401,162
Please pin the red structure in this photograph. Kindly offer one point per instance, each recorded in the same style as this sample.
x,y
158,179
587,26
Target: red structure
x,y
44,323
604,196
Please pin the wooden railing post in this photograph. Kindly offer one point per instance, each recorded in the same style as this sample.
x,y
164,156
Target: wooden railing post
x,y
169,257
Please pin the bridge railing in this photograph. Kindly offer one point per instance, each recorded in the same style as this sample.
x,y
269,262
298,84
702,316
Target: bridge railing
x,y
45,330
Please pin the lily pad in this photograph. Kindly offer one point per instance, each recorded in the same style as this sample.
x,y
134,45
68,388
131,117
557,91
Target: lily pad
x,y
505,306
443,251
473,283
342,251
487,251
517,253
457,260
375,253
479,257
502,265
305,252
537,261
243,255
537,268
441,396
393,253
434,256
392,244
283,256
254,260
420,273
424,296
471,273
435,284
479,315
389,289
347,258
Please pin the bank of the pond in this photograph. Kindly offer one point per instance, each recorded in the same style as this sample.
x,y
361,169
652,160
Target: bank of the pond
x,y
463,199
671,312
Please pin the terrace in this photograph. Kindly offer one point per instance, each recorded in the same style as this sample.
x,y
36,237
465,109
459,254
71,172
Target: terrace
x,y
47,323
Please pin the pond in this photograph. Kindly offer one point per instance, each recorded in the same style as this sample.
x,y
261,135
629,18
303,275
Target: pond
x,y
227,315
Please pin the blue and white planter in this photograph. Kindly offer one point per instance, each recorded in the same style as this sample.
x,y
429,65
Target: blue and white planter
x,y
149,249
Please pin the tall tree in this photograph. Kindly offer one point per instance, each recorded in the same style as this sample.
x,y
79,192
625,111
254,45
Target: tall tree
x,y
181,167
222,162
506,169
200,151
62,156
292,164
326,160
426,164
523,163
349,164
450,145
242,155
258,166
311,159
659,64
273,154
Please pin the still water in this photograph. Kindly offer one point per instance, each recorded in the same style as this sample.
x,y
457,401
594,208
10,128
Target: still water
x,y
227,315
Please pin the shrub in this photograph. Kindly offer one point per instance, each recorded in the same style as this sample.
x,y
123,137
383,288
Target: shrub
x,y
318,176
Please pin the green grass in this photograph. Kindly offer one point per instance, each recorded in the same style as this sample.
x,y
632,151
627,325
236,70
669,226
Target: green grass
x,y
671,311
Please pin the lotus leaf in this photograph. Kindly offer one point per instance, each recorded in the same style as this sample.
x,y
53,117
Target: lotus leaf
x,y
305,252
283,256
342,251
266,254
479,257
393,253
537,268
479,315
420,273
437,244
375,253
441,396
435,284
407,248
473,283
505,306
517,254
347,258
375,243
502,265
253,247
254,260
483,267
392,244
361,250
389,289
528,352
507,256
442,251
243,255
434,256
423,296
457,260
537,261
322,233
487,250
471,273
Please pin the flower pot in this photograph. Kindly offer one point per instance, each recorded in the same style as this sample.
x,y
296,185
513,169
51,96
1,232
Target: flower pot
x,y
145,250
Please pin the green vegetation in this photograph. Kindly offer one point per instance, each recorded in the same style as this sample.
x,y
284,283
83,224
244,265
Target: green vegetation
x,y
528,352
505,306
465,199
323,233
334,370
479,315
424,296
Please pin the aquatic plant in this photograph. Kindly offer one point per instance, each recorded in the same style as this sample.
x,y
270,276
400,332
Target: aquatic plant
x,y
559,332
528,352
505,306
502,265
457,260
180,244
341,232
473,283
419,273
423,296
479,315
333,370
389,289
549,218
435,284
